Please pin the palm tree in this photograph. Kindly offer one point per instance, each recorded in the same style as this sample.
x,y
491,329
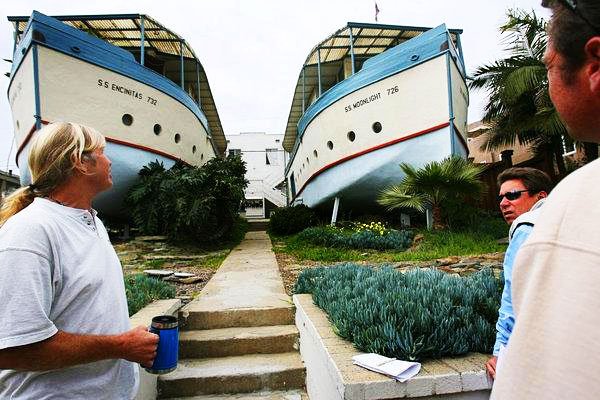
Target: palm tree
x,y
519,106
431,185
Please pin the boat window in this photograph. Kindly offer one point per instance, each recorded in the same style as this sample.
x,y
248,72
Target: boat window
x,y
194,149
177,138
307,161
351,136
330,145
157,129
376,127
315,153
201,156
127,119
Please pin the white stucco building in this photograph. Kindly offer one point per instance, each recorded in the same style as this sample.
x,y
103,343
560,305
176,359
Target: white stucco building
x,y
265,161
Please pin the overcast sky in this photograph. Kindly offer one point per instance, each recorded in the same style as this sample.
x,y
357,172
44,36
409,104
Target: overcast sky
x,y
253,50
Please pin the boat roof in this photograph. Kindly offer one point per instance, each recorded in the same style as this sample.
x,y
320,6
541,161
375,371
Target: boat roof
x,y
125,30
368,40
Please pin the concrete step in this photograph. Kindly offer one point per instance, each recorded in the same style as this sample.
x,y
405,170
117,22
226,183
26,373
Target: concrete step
x,y
289,395
238,341
231,318
239,374
255,225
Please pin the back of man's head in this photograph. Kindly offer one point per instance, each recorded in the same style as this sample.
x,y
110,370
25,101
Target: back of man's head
x,y
533,179
573,24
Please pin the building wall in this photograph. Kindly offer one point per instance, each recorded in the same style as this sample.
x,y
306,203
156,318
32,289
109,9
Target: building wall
x,y
265,160
477,136
8,183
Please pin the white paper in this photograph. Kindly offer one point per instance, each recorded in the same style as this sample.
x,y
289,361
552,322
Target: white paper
x,y
397,369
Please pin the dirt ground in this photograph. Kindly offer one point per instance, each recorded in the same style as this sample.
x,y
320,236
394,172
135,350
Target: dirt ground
x,y
154,252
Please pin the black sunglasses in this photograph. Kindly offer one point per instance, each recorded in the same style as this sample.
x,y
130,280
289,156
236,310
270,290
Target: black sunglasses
x,y
572,5
512,195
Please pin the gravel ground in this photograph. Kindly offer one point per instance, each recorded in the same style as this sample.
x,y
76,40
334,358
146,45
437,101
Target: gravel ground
x,y
144,253
290,267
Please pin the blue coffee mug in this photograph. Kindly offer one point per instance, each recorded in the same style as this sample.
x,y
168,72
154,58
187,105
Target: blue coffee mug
x,y
167,328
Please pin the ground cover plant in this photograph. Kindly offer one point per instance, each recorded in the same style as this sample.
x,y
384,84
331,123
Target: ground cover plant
x,y
195,204
417,315
142,290
374,235
479,238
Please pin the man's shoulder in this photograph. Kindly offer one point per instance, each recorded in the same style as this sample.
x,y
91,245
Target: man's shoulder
x,y
27,227
527,220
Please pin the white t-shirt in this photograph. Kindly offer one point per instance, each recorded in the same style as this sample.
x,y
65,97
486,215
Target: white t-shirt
x,y
58,271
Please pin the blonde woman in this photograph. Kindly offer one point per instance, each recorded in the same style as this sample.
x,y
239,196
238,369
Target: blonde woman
x,y
63,312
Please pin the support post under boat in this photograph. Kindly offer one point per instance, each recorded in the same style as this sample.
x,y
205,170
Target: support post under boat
x,y
336,206
429,218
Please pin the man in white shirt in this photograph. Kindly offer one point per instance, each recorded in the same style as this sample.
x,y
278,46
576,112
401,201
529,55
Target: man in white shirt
x,y
65,328
554,349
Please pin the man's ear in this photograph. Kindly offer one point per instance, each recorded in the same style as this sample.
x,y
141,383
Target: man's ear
x,y
81,166
592,52
542,195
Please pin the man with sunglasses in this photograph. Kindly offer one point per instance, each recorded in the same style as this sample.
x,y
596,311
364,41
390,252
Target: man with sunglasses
x,y
522,192
554,349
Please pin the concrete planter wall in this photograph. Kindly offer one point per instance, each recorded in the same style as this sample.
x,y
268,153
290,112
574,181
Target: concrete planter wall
x,y
148,382
332,376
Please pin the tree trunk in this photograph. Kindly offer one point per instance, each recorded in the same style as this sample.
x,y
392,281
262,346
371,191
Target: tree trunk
x,y
438,223
560,161
591,151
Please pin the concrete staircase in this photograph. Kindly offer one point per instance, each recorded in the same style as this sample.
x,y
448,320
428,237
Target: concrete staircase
x,y
238,338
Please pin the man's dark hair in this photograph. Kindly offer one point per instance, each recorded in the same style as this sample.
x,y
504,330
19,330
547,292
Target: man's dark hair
x,y
570,29
534,180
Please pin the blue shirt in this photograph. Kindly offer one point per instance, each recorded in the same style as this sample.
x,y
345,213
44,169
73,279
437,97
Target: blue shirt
x,y
506,315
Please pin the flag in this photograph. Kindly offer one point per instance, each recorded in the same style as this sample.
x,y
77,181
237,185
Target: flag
x,y
376,11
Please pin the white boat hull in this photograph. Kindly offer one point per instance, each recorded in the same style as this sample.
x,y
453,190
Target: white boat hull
x,y
423,117
71,89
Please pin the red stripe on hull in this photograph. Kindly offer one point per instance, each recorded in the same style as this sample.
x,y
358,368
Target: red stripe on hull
x,y
108,139
369,150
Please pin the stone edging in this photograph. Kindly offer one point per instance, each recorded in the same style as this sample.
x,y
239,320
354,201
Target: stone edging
x,y
332,376
148,382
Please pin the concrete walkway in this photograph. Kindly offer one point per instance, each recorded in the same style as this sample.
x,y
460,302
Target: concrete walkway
x,y
239,334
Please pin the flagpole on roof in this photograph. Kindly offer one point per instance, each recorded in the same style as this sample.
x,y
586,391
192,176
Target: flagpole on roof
x,y
376,11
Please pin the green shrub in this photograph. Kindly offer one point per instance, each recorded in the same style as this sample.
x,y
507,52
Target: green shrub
x,y
142,290
290,220
420,314
198,204
361,239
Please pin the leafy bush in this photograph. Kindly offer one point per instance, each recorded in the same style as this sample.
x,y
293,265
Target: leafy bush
x,y
189,203
290,220
421,314
375,237
142,290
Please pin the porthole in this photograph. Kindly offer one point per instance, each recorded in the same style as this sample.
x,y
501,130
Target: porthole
x,y
157,129
330,145
201,156
351,136
315,153
177,138
127,119
376,127
18,125
307,161
194,149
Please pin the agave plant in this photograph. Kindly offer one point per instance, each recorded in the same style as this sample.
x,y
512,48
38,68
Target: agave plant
x,y
431,185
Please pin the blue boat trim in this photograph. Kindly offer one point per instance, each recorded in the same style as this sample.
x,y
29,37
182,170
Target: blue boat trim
x,y
64,38
450,105
36,88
